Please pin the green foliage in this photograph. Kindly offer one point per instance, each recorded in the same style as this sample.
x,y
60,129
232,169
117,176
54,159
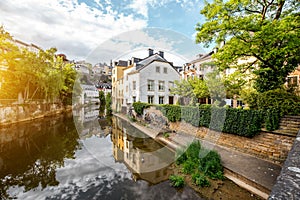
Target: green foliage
x,y
200,180
211,165
108,104
193,150
250,96
230,120
272,119
42,75
281,100
189,166
166,135
102,98
139,107
195,159
180,156
268,33
176,181
172,112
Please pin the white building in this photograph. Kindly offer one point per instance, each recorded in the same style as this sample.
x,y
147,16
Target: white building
x,y
149,80
90,94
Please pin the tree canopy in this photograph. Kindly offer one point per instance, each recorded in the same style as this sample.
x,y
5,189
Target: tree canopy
x,y
262,36
42,75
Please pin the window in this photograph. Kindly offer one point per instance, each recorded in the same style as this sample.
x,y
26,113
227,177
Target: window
x,y
165,70
150,99
150,85
126,88
239,103
292,81
134,99
134,85
161,85
157,69
161,100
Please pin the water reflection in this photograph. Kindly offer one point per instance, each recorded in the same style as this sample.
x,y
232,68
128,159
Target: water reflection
x,y
31,153
147,159
105,159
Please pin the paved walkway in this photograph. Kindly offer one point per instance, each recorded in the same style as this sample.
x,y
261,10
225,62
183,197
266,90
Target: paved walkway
x,y
255,174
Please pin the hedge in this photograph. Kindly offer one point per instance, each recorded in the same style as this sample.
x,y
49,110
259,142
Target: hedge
x,y
241,122
139,107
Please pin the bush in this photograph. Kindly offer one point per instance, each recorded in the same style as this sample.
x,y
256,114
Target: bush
x,y
200,180
139,107
189,166
272,119
211,165
176,181
180,156
172,112
284,102
193,150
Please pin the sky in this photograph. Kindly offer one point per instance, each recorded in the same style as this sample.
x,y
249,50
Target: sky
x,y
83,28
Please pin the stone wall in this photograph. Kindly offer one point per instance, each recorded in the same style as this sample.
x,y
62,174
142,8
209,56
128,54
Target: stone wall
x,y
23,112
266,145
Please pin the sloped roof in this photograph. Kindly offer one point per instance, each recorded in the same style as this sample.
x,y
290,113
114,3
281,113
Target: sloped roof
x,y
148,60
203,57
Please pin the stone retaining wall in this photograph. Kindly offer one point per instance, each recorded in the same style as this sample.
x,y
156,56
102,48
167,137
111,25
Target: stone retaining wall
x,y
266,145
17,113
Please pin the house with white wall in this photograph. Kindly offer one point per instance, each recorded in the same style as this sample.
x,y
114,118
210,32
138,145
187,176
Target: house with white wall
x,y
150,80
146,80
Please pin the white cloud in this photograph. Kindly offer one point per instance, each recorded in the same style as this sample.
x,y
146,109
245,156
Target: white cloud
x,y
75,29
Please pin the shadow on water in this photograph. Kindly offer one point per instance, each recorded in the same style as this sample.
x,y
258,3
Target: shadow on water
x,y
84,156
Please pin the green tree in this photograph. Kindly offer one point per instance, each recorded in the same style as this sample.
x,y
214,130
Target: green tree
x,y
108,104
41,75
102,98
265,33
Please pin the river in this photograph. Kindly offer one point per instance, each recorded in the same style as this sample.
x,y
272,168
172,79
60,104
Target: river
x,y
82,156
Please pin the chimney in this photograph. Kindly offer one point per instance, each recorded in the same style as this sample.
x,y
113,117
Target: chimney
x,y
161,53
150,52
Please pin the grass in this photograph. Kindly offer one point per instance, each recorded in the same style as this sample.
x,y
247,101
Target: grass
x,y
176,181
200,163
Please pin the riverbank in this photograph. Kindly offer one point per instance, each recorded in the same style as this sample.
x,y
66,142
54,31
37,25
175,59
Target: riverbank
x,y
26,112
254,174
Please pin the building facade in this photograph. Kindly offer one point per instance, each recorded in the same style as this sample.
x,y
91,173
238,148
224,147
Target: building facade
x,y
146,80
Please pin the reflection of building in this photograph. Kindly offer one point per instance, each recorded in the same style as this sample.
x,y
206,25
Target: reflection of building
x,y
90,94
86,119
145,158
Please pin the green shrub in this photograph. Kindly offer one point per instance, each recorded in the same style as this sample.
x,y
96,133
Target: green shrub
x,y
180,156
272,119
108,103
139,107
176,181
189,166
200,180
193,150
211,165
166,135
284,102
172,112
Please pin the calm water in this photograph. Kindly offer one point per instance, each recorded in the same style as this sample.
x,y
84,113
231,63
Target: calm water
x,y
83,157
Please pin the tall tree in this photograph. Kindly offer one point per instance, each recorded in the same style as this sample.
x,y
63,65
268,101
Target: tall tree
x,y
262,36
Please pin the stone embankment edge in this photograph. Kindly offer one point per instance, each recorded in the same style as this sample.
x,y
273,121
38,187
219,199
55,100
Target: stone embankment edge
x,y
236,178
46,114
